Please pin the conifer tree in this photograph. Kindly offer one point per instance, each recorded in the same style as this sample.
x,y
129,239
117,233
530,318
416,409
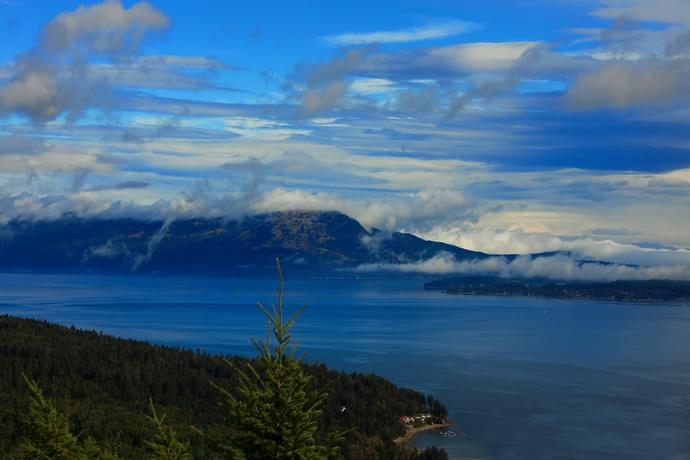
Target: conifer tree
x,y
275,415
50,434
165,445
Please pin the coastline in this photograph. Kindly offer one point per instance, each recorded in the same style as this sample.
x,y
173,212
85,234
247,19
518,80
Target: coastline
x,y
679,300
409,434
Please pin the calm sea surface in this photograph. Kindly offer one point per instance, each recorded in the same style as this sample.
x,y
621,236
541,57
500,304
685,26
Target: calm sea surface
x,y
522,378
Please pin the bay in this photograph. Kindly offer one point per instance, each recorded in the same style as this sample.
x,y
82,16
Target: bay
x,y
521,377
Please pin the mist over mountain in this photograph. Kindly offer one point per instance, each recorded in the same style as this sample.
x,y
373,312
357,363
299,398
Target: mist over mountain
x,y
305,241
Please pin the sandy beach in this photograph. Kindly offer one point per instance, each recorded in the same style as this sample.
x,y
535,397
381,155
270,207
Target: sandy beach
x,y
413,431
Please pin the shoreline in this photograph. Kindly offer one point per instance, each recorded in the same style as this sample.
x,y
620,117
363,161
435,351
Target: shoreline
x,y
680,300
412,432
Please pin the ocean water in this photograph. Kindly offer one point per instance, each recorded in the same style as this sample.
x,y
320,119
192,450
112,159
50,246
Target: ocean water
x,y
521,377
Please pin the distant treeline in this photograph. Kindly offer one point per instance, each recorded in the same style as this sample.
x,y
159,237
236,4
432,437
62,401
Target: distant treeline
x,y
103,385
630,291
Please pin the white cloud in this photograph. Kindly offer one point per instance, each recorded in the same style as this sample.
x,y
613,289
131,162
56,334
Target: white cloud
x,y
104,28
447,61
498,241
627,40
389,213
35,93
667,11
327,83
262,129
370,86
428,32
555,268
55,160
482,57
324,98
326,122
53,77
624,85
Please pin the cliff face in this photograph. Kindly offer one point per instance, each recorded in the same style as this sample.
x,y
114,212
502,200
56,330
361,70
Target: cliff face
x,y
317,240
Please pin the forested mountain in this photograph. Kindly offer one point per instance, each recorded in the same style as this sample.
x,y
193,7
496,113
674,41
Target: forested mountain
x,y
621,290
103,384
306,241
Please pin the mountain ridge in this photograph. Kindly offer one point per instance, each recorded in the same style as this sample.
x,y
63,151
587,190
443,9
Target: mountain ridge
x,y
304,240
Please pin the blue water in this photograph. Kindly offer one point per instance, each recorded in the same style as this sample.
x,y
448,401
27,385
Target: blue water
x,y
522,377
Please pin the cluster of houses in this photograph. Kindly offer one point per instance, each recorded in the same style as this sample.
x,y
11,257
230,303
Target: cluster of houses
x,y
410,421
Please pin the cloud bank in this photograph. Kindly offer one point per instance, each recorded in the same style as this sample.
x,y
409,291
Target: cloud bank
x,y
494,241
560,267
386,214
625,85
53,78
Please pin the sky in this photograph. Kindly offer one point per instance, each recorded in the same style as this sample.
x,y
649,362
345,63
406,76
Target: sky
x,y
502,126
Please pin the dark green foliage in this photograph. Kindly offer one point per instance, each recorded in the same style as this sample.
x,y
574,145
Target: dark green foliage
x,y
272,413
432,453
165,445
49,436
103,384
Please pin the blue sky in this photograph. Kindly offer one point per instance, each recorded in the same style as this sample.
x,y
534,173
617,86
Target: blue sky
x,y
504,126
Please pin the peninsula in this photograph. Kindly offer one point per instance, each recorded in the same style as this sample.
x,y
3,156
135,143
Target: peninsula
x,y
619,291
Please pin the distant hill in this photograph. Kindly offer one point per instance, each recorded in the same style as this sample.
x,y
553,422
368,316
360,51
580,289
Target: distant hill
x,y
620,291
306,241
